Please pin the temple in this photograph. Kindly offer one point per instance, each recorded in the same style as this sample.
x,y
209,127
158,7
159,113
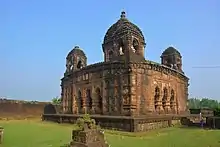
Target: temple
x,y
125,83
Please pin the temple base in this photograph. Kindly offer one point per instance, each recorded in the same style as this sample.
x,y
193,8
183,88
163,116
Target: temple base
x,y
121,123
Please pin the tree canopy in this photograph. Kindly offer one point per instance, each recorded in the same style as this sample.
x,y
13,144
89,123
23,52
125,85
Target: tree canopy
x,y
195,103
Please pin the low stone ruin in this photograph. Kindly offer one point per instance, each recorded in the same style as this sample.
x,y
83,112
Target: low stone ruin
x,y
87,134
1,134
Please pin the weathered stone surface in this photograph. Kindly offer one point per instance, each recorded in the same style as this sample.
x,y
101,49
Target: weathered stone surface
x,y
87,136
1,134
122,123
138,98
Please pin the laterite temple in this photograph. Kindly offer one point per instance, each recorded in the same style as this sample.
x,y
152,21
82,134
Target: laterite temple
x,y
125,83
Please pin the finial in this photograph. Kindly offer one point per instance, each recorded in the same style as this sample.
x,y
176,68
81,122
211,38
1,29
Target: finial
x,y
171,45
123,14
76,47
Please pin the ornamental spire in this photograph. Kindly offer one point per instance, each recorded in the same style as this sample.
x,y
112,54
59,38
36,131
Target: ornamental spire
x,y
123,14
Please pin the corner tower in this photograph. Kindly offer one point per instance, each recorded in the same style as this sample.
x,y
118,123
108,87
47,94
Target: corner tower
x,y
123,37
76,59
172,58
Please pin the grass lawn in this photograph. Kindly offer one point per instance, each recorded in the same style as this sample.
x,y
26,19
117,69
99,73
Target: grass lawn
x,y
30,133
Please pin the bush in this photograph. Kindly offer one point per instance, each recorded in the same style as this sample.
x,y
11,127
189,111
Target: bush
x,y
80,122
217,112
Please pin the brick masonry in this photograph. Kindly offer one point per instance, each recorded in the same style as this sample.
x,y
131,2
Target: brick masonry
x,y
22,109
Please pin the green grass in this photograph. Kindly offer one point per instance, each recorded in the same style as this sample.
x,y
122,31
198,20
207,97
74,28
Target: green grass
x,y
26,133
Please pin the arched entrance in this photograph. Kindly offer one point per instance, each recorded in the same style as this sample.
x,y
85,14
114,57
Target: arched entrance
x,y
121,47
135,46
79,65
50,109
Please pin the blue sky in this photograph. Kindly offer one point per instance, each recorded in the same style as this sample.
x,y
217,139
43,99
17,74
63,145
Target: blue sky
x,y
36,36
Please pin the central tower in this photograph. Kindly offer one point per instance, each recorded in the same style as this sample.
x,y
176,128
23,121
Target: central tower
x,y
121,38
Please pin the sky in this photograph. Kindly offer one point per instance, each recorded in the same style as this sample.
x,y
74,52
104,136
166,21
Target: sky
x,y
36,36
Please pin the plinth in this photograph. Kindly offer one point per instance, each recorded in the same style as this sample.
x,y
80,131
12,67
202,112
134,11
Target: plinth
x,y
88,138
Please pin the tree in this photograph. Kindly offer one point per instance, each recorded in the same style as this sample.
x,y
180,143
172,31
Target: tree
x,y
209,103
56,100
195,103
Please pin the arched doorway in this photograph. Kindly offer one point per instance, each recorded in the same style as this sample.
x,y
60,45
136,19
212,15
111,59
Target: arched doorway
x,y
99,99
121,47
50,109
135,46
79,65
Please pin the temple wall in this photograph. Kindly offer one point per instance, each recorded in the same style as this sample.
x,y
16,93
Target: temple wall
x,y
124,92
169,82
94,83
144,83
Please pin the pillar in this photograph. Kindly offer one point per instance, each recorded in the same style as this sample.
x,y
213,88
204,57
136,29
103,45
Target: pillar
x,y
135,86
104,98
94,101
160,109
67,99
74,99
84,109
167,104
64,99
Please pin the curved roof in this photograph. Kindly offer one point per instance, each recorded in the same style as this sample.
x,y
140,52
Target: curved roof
x,y
122,26
170,50
76,50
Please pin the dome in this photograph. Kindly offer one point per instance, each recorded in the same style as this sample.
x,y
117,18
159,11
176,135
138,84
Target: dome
x,y
170,50
121,27
76,50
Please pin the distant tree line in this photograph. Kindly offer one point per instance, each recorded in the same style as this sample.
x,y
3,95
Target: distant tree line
x,y
195,103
